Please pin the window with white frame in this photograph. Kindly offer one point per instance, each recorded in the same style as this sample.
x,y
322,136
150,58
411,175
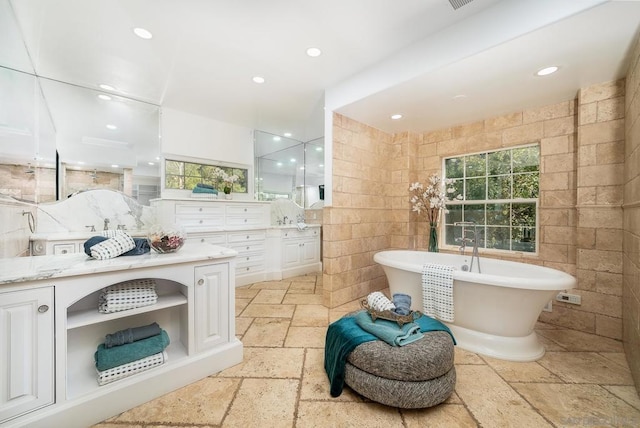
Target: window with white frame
x,y
499,194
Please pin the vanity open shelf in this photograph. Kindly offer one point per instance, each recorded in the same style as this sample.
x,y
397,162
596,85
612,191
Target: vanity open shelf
x,y
85,312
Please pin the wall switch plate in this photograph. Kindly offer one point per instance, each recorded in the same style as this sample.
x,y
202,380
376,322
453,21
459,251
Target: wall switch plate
x,y
574,299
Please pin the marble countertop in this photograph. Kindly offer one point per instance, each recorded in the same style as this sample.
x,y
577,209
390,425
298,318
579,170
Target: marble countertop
x,y
22,269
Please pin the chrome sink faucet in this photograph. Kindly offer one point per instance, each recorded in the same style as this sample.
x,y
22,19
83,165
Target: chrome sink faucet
x,y
106,224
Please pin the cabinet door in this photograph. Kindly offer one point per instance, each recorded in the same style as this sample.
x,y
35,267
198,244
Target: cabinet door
x,y
291,253
211,306
310,251
26,351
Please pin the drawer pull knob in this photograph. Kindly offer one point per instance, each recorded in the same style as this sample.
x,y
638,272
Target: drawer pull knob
x,y
247,268
200,281
200,221
201,239
248,248
247,258
247,236
43,308
245,210
200,209
245,220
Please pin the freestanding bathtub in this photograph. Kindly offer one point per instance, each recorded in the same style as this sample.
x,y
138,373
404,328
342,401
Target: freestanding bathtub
x,y
495,311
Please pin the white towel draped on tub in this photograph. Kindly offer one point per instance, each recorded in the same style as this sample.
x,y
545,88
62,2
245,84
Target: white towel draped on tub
x,y
437,291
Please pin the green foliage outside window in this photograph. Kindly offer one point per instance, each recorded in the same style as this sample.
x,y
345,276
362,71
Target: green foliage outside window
x,y
186,175
500,194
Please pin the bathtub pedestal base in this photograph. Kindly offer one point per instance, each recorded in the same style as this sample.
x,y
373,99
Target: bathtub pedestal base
x,y
526,348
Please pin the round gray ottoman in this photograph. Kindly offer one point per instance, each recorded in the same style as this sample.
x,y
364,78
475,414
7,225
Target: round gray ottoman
x,y
418,375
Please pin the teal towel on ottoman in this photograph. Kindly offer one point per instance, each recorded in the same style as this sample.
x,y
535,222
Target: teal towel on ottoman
x,y
389,331
108,358
342,337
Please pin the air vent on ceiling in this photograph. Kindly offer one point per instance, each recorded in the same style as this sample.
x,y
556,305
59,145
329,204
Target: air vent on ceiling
x,y
106,143
457,4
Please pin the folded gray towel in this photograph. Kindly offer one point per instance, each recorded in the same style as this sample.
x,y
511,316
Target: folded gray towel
x,y
403,303
130,335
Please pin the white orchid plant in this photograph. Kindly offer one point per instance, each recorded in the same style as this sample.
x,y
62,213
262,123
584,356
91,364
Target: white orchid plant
x,y
432,198
224,180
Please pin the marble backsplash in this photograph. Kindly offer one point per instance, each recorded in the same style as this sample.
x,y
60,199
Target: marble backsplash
x,y
100,209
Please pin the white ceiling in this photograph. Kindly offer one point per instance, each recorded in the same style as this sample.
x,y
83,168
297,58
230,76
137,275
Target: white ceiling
x,y
379,56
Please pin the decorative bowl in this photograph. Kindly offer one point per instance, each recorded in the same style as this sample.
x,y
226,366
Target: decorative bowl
x,y
166,239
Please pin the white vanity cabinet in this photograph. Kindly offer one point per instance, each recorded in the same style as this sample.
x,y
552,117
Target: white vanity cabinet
x,y
26,351
300,249
195,306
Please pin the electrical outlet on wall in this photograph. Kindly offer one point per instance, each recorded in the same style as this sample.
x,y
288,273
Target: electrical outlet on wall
x,y
574,299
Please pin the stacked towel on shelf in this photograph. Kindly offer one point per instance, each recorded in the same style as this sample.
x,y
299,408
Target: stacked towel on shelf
x,y
122,360
127,295
131,335
202,190
437,291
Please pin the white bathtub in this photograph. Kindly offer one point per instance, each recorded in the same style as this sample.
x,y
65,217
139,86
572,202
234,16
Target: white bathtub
x,y
495,311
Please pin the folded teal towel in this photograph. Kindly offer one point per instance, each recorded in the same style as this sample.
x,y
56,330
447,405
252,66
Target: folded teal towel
x,y
204,190
205,186
344,335
108,358
389,331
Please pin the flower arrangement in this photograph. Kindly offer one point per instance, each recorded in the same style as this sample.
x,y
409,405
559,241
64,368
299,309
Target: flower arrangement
x,y
432,198
228,182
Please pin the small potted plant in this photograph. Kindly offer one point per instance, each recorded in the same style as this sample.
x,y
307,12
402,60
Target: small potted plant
x,y
228,185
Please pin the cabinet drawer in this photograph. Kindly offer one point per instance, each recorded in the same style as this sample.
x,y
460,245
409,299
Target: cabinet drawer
x,y
246,236
63,249
191,223
208,210
249,268
295,233
246,220
249,247
245,209
217,239
249,260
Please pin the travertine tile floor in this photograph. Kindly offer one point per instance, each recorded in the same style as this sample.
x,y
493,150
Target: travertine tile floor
x,y
582,381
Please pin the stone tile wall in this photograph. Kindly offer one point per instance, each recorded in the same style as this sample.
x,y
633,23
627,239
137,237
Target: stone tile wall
x,y
631,218
360,221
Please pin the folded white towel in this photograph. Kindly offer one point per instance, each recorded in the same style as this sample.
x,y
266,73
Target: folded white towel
x,y
379,302
437,291
119,244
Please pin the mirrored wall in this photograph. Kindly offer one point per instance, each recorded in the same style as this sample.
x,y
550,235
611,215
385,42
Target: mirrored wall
x,y
289,169
58,138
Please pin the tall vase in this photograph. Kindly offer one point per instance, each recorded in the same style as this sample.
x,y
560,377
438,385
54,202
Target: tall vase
x,y
433,237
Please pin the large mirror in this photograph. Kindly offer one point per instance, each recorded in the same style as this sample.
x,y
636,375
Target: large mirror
x,y
289,169
103,140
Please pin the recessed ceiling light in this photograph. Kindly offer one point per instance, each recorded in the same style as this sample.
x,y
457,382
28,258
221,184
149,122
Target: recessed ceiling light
x,y
107,87
292,160
104,97
547,70
279,164
301,168
276,138
459,97
151,163
314,52
111,127
258,79
318,149
321,166
287,134
142,33
396,116
115,166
